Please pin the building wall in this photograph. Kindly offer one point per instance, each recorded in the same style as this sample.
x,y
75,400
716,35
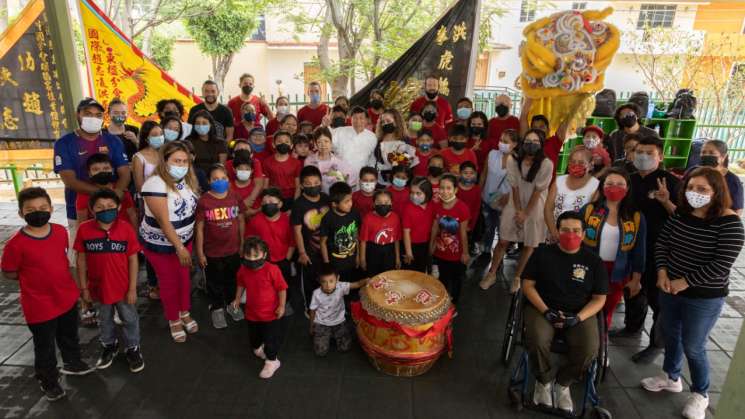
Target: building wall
x,y
721,17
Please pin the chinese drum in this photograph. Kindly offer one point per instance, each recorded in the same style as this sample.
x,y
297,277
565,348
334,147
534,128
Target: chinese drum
x,y
404,322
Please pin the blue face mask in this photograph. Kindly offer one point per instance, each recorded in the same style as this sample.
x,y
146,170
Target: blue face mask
x,y
249,117
219,185
170,134
156,141
177,172
107,216
467,181
315,98
425,147
202,129
398,182
463,113
118,119
257,148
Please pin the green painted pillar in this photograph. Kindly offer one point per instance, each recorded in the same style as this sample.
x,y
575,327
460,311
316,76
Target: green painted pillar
x,y
732,403
61,33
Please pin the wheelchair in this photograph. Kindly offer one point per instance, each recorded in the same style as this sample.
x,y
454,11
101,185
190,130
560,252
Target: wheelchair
x,y
518,390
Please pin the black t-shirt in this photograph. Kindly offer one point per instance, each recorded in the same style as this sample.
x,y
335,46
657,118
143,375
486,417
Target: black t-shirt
x,y
566,281
222,114
130,147
342,232
207,152
643,189
310,214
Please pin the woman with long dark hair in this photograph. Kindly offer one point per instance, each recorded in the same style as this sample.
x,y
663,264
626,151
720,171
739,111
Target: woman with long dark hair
x,y
209,148
391,132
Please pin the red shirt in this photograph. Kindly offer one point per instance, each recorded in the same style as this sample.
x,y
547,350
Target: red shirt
x,y
373,117
315,116
497,127
381,230
256,170
551,149
235,105
453,161
362,203
419,221
448,245
245,191
277,234
272,126
438,133
81,203
107,258
47,287
472,199
422,168
399,198
485,146
283,174
444,111
262,291
221,223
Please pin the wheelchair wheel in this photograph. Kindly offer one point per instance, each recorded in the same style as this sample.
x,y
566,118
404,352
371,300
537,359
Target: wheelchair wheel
x,y
511,329
600,413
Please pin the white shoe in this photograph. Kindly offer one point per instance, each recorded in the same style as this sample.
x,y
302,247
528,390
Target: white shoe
x,y
435,271
542,394
564,397
662,382
695,407
259,352
269,368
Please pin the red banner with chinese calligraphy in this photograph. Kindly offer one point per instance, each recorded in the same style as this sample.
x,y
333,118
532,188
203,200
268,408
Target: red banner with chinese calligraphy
x,y
31,106
118,69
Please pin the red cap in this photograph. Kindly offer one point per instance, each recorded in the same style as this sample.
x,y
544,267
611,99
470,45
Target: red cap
x,y
594,128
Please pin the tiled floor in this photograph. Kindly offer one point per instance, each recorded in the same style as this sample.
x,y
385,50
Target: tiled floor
x,y
215,375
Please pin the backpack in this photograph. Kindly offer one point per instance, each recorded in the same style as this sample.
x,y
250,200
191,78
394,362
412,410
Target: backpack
x,y
640,99
605,103
684,105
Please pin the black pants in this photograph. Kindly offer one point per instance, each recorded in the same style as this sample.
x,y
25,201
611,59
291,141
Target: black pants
x,y
284,267
221,274
637,307
309,278
451,276
422,259
268,334
380,258
63,330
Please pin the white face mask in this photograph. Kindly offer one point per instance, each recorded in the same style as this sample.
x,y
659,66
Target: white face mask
x,y
243,175
697,200
283,110
90,124
504,147
367,186
591,143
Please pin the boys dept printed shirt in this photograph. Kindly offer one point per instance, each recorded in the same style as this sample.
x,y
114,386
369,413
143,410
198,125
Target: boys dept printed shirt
x,y
329,308
182,205
221,223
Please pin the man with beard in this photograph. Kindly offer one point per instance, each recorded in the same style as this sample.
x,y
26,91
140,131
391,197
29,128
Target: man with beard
x,y
246,82
432,94
222,115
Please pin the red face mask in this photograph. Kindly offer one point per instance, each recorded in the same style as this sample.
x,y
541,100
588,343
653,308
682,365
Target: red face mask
x,y
570,241
614,192
577,170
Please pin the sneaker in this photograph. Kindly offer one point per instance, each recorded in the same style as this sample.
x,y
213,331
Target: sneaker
x,y
662,382
218,319
542,394
564,396
52,391
259,352
624,333
435,271
134,358
695,407
77,368
108,353
235,313
646,355
270,367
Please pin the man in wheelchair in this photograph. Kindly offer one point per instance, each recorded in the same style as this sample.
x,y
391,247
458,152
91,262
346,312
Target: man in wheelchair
x,y
566,286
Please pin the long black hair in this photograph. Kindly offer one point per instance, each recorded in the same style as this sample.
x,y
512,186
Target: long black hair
x,y
212,134
537,157
626,207
145,129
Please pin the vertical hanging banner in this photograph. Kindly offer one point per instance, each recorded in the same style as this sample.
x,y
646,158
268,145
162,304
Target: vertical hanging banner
x,y
118,69
447,51
31,104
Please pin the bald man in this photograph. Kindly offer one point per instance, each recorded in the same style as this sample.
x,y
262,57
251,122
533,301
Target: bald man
x,y
502,121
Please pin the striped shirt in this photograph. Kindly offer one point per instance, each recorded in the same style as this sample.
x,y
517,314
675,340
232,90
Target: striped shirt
x,y
701,251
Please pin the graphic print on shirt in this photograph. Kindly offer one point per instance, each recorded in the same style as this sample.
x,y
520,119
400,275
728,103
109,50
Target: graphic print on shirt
x,y
448,240
384,236
345,239
312,220
579,272
105,245
222,214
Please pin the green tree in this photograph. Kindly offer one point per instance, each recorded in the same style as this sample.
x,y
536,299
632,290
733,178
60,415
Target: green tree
x,y
161,49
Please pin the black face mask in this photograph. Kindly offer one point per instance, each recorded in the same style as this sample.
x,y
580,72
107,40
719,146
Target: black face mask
x,y
431,95
709,161
382,209
502,110
429,116
457,145
247,90
171,114
252,264
37,218
389,128
282,148
376,103
477,132
312,191
628,121
434,171
531,148
270,210
339,121
102,178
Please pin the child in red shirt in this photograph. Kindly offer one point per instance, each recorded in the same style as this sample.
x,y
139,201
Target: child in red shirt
x,y
107,272
417,226
470,193
266,296
362,200
245,184
434,172
424,143
101,174
36,256
379,236
282,169
398,189
457,153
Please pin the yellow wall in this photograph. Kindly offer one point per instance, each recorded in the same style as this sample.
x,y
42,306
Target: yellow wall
x,y
720,17
25,158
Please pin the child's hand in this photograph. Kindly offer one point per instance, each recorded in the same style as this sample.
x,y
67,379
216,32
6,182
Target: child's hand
x,y
408,258
202,261
398,263
280,311
236,304
363,264
303,259
132,297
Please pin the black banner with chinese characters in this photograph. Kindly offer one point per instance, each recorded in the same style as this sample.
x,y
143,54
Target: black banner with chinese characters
x,y
31,105
443,51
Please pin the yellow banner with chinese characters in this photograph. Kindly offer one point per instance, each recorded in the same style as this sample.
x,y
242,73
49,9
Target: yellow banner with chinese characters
x,y
118,69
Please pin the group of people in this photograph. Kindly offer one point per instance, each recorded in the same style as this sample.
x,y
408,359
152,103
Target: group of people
x,y
287,209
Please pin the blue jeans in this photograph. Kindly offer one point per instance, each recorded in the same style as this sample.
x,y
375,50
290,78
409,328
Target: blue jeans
x,y
130,324
686,324
491,224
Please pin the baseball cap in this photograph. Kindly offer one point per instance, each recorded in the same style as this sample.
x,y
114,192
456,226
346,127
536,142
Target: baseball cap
x,y
88,102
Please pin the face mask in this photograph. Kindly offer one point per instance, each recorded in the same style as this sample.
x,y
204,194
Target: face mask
x,y
37,218
644,162
102,178
376,103
447,200
170,135
697,200
107,216
382,209
531,148
282,148
243,175
91,125
570,241
389,128
339,121
156,141
283,110
463,113
249,117
202,129
457,145
467,181
502,110
177,172
315,98
591,143
252,264
219,185
710,161
398,182
312,191
247,90
257,148
415,125
431,95
416,199
425,147
477,132
505,148
628,121
434,171
614,193
270,210
429,116
577,170
367,186
118,120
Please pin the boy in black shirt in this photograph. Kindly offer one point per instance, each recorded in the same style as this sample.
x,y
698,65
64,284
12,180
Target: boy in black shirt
x,y
339,233
566,287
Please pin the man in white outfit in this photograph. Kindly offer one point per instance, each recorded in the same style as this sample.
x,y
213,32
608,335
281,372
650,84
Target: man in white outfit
x,y
354,144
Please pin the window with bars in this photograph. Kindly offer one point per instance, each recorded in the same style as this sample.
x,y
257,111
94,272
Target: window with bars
x,y
527,10
579,5
656,16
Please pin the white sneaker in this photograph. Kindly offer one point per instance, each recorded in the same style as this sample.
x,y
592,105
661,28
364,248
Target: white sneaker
x,y
542,394
269,368
435,271
259,352
564,397
662,382
695,407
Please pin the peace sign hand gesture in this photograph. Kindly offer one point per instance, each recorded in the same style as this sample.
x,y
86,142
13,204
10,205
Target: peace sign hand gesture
x,y
662,194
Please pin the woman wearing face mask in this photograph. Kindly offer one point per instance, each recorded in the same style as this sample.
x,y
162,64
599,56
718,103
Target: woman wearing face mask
x,y
208,147
617,232
172,128
529,174
429,122
247,122
390,132
417,221
463,111
414,126
167,230
333,169
694,256
714,154
592,139
477,125
282,105
570,192
627,117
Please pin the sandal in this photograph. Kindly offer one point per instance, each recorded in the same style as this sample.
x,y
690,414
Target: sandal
x,y
153,293
189,323
177,331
